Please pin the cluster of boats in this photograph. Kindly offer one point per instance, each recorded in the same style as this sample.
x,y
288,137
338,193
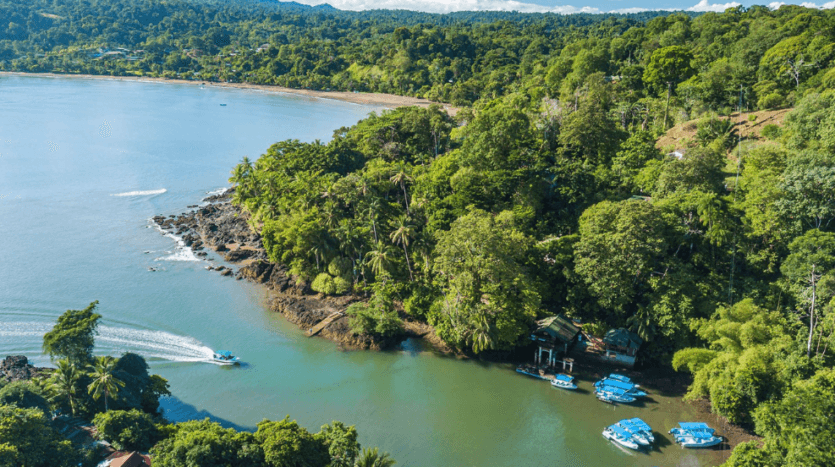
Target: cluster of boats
x,y
695,435
617,388
634,433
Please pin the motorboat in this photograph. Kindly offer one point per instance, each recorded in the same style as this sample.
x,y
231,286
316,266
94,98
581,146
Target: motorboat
x,y
609,394
225,357
621,378
695,435
619,435
641,432
563,381
629,388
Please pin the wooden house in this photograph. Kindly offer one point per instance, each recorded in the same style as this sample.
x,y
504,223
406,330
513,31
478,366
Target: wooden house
x,y
553,335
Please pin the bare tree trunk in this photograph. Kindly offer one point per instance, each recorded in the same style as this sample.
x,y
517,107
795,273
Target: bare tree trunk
x,y
408,264
667,107
811,315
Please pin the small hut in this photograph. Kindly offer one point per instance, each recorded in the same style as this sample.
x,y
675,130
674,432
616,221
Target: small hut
x,y
552,335
622,346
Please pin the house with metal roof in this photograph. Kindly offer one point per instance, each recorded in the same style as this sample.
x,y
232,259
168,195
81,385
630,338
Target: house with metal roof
x,y
621,346
553,334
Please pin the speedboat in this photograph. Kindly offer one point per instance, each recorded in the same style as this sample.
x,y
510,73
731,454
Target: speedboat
x,y
611,395
225,357
563,381
620,436
695,435
640,431
629,388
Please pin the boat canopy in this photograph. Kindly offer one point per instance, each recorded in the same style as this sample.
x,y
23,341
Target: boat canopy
x,y
566,378
640,424
618,377
223,353
616,391
695,426
617,384
701,434
620,432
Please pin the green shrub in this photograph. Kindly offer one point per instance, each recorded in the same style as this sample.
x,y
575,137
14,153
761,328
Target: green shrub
x,y
324,284
131,430
341,285
771,101
340,267
771,132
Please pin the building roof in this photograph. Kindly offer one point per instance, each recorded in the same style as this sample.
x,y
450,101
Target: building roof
x,y
133,459
622,338
558,327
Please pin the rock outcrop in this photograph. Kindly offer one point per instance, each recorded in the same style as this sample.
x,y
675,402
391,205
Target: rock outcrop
x,y
17,368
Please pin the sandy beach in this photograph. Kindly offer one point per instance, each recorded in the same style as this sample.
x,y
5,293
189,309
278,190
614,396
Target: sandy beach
x,y
386,100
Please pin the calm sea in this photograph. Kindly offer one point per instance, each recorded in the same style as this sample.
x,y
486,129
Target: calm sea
x,y
84,165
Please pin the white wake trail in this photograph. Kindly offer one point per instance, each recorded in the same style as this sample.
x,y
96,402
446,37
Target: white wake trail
x,y
142,193
115,341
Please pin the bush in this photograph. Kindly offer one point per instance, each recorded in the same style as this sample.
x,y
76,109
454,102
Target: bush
x,y
771,132
341,285
324,284
24,395
771,101
340,267
130,430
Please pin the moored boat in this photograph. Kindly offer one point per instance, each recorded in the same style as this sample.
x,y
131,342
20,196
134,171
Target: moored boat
x,y
641,432
627,387
563,381
619,435
609,394
695,435
224,357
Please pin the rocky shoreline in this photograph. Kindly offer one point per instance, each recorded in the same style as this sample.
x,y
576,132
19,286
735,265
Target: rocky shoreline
x,y
222,227
17,368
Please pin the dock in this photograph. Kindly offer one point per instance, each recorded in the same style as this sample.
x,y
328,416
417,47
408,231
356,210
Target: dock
x,y
321,324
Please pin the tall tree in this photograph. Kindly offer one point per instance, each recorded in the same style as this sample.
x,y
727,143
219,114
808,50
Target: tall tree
x,y
104,383
64,383
402,234
73,336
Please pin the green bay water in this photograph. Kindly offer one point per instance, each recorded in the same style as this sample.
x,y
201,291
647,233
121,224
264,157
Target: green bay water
x,y
85,164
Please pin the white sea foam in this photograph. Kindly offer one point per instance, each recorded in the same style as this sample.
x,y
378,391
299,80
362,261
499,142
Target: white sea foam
x,y
219,191
182,253
142,193
116,341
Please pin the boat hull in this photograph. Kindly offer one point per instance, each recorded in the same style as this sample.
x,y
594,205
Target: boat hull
x,y
694,444
623,442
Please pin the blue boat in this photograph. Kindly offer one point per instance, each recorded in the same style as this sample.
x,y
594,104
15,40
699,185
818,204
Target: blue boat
x,y
225,357
619,435
629,388
695,435
563,381
641,431
533,371
621,378
612,395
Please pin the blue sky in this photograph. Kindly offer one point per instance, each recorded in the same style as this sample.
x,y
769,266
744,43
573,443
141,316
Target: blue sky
x,y
571,6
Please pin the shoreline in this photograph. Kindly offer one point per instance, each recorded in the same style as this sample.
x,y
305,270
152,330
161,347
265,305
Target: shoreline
x,y
362,98
217,226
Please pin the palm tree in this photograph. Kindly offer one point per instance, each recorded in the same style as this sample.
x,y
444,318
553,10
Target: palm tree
x,y
103,380
402,234
400,177
378,259
373,458
480,334
373,209
63,382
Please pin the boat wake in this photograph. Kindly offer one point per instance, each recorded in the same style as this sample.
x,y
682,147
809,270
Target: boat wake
x,y
142,193
153,345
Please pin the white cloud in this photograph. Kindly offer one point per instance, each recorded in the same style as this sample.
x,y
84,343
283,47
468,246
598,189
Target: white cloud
x,y
703,5
825,6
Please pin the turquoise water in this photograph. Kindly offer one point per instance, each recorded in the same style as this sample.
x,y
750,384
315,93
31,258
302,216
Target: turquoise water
x,y
84,164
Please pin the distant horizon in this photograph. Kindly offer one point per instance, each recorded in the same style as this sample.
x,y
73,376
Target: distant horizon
x,y
551,6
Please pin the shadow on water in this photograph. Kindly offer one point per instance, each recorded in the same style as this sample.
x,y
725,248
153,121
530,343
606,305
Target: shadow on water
x,y
175,410
661,441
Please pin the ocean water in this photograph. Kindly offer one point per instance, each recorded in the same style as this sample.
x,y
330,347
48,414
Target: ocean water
x,y
85,164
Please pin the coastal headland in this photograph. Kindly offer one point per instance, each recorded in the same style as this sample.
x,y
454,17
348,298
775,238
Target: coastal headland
x,y
222,226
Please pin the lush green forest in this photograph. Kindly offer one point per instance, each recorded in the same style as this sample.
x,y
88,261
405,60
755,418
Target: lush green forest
x,y
547,193
121,399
